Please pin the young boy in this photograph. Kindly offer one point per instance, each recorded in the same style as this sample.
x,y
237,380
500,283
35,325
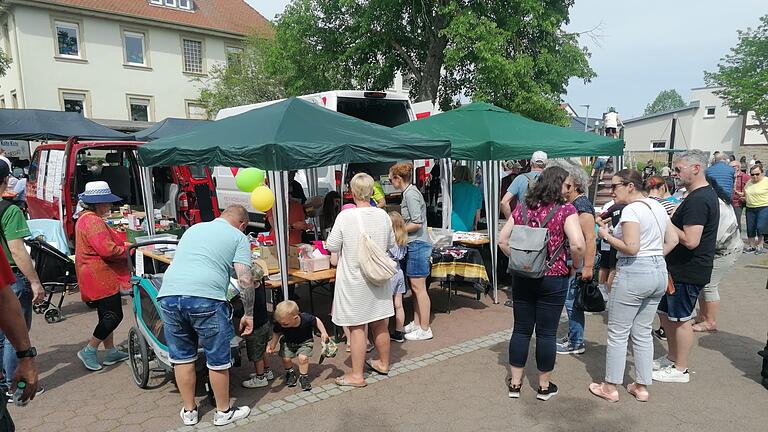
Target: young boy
x,y
297,340
256,342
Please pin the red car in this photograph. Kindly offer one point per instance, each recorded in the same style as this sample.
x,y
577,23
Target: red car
x,y
59,171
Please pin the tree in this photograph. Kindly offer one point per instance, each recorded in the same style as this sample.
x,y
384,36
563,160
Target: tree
x,y
743,74
511,53
666,100
242,80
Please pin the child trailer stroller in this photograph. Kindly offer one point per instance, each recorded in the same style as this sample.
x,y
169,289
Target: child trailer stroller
x,y
57,275
147,346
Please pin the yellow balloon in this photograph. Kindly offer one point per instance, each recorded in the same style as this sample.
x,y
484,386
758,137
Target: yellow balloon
x,y
262,199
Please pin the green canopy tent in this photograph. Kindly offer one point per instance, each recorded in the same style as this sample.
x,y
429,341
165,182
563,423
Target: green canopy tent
x,y
287,135
168,128
489,134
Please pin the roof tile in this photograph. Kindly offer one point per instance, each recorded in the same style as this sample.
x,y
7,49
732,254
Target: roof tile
x,y
232,16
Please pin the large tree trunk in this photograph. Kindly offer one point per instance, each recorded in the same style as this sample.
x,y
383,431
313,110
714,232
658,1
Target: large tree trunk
x,y
433,65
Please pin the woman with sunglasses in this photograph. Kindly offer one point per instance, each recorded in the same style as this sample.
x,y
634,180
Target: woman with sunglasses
x,y
756,192
642,238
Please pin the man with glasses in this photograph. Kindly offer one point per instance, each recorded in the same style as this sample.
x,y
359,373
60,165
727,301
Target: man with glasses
x,y
756,193
689,264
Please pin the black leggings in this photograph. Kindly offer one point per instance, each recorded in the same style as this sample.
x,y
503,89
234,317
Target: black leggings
x,y
110,310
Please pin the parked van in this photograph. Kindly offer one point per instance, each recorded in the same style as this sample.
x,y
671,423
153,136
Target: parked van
x,y
59,171
384,108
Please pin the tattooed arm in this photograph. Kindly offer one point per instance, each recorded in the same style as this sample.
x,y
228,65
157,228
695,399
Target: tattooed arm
x,y
247,294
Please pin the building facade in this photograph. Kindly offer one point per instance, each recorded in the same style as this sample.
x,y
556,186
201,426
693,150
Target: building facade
x,y
119,60
706,124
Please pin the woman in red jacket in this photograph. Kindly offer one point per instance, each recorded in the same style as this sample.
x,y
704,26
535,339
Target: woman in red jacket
x,y
102,271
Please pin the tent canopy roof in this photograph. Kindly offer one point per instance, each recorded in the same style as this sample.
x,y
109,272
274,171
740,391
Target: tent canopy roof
x,y
168,128
481,131
34,124
292,134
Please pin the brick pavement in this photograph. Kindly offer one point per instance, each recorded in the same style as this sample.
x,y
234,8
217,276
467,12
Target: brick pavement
x,y
446,391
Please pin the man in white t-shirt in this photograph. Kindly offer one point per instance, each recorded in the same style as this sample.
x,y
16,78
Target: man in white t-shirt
x,y
612,122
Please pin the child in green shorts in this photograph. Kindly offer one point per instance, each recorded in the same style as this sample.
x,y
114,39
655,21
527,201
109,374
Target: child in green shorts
x,y
256,342
295,328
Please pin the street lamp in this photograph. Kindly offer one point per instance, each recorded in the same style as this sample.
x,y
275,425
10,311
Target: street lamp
x,y
586,117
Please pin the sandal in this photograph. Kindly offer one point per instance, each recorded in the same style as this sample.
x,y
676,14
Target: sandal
x,y
342,382
640,396
369,365
597,390
703,328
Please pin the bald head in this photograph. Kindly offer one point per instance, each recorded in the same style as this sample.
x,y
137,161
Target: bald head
x,y
236,215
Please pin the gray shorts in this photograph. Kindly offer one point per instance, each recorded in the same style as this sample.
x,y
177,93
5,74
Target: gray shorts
x,y
293,350
720,267
256,342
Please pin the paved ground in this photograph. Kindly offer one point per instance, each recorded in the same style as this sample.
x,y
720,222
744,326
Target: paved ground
x,y
455,382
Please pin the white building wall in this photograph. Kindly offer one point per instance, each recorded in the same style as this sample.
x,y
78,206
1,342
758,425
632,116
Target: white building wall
x,y
721,132
639,135
11,81
753,136
103,74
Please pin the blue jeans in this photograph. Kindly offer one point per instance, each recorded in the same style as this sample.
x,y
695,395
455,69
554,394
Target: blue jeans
x,y
757,221
639,284
537,304
23,291
189,320
575,316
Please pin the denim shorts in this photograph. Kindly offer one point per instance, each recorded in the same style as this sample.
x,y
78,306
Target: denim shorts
x,y
681,305
191,321
757,221
418,259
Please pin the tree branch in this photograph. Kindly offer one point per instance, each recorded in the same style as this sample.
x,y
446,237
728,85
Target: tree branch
x,y
404,55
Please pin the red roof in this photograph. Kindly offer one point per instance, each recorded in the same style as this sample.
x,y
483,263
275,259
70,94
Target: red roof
x,y
231,16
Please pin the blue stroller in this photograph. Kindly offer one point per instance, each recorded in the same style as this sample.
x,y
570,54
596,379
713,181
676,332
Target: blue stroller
x,y
147,348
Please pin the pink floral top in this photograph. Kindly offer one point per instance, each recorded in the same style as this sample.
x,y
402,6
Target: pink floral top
x,y
100,261
556,232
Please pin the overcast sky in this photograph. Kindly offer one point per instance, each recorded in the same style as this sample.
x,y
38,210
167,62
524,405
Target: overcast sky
x,y
643,47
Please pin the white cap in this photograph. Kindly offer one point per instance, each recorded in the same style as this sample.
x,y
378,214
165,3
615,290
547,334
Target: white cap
x,y
539,157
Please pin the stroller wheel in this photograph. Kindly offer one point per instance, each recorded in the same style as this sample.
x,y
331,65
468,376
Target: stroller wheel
x,y
52,316
41,307
138,355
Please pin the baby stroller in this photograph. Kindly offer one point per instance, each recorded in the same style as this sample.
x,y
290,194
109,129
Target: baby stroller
x,y
57,274
147,347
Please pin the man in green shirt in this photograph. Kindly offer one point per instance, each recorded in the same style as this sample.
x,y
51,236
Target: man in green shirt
x,y
29,290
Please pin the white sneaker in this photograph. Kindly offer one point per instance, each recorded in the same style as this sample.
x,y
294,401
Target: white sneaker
x,y
662,362
419,335
672,375
188,417
410,327
256,382
268,373
234,414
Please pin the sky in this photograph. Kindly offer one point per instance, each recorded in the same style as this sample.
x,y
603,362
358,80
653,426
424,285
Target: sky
x,y
640,48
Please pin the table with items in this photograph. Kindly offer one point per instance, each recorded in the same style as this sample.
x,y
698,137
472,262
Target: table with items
x,y
454,265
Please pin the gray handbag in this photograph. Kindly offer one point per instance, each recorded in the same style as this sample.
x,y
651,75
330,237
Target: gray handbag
x,y
528,247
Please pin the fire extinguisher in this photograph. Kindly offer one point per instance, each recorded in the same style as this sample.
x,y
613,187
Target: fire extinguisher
x,y
183,203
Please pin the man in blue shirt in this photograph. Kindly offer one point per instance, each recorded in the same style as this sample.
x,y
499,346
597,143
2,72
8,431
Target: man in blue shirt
x,y
193,298
723,173
467,201
520,184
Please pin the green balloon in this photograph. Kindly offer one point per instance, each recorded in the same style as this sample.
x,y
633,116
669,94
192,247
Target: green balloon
x,y
248,179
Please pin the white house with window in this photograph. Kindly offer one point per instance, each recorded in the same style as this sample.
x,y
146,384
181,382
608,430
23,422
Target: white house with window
x,y
119,60
706,124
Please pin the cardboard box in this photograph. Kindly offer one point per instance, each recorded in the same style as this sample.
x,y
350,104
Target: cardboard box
x,y
269,255
316,264
293,254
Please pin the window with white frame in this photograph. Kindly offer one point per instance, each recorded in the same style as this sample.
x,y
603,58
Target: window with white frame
x,y
6,40
68,39
140,108
658,144
156,2
135,48
2,101
196,110
709,112
14,100
170,3
234,54
185,4
74,101
193,56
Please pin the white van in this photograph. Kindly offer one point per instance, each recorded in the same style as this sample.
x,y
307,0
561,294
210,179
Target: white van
x,y
383,108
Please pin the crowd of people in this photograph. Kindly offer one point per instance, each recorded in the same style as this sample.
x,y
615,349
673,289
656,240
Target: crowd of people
x,y
662,246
